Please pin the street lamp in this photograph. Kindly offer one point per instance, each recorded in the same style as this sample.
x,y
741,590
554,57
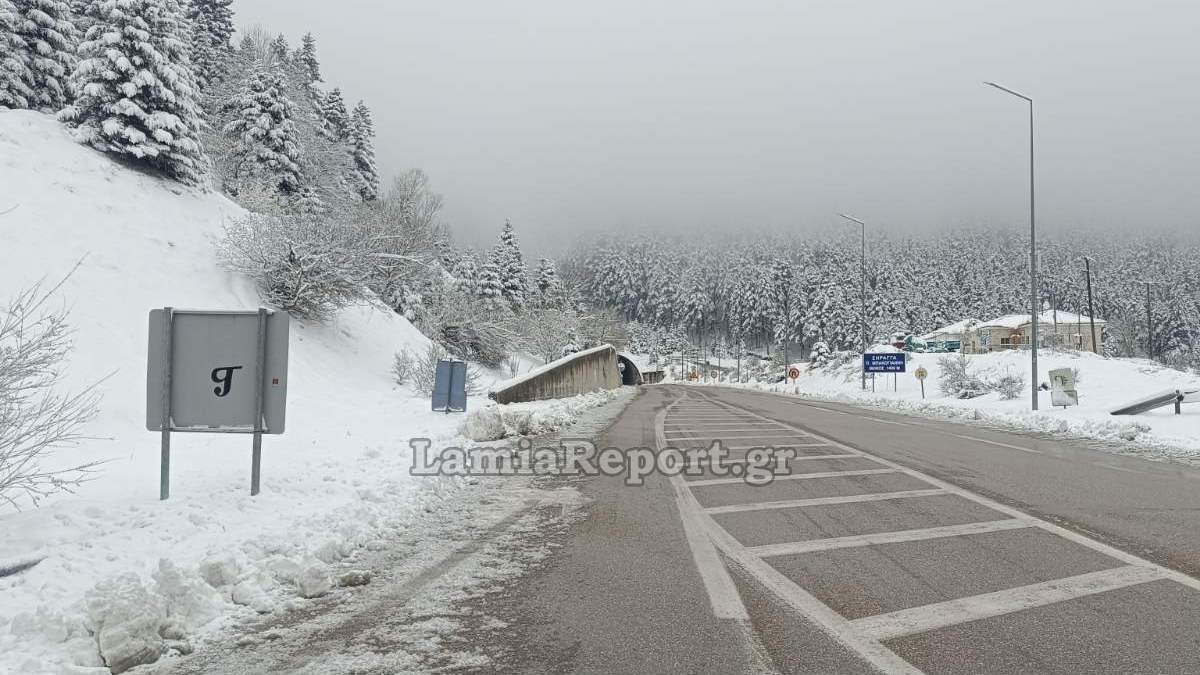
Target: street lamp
x,y
1033,270
863,290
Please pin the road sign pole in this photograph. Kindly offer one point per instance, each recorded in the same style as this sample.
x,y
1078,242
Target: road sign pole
x,y
922,389
260,371
164,470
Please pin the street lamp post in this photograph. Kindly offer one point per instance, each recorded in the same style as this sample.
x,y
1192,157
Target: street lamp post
x,y
1033,270
863,289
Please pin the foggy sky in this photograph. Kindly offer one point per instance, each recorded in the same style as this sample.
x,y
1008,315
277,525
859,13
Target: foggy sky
x,y
569,116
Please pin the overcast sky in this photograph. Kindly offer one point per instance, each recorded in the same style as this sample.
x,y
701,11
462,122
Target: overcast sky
x,y
570,116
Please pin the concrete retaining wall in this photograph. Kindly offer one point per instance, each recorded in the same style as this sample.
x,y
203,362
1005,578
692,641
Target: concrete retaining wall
x,y
572,375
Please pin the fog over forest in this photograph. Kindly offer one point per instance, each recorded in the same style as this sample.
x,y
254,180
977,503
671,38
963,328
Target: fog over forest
x,y
680,115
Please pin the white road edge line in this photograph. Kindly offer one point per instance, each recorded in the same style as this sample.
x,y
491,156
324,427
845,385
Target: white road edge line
x,y
795,547
821,501
952,612
1003,445
722,594
793,476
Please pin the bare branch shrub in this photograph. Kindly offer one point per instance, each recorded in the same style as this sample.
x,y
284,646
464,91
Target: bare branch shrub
x,y
309,266
421,369
35,417
469,328
549,334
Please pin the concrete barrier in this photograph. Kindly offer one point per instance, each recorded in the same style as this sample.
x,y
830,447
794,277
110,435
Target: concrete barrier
x,y
572,375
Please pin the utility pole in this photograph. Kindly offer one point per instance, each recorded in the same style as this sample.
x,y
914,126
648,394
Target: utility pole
x,y
1033,268
1087,265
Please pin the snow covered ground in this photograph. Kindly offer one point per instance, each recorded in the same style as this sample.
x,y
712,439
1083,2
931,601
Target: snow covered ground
x,y
1103,384
113,556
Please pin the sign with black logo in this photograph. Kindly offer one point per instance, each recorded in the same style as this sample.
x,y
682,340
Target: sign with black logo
x,y
216,372
213,368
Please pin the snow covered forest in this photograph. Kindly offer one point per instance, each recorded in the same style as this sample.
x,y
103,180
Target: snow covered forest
x,y
162,85
763,290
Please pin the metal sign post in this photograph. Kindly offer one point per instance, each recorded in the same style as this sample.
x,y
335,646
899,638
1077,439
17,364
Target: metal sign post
x,y
921,374
189,352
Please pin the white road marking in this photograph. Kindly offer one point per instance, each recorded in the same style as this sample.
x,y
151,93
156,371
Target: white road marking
x,y
793,476
882,421
754,425
868,645
722,594
781,446
794,547
943,614
1003,445
734,430
821,501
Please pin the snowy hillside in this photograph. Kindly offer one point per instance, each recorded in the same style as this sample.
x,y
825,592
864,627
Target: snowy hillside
x,y
335,481
1104,384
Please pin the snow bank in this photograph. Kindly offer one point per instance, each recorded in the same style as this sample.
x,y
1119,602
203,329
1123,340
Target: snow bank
x,y
1104,384
120,570
494,422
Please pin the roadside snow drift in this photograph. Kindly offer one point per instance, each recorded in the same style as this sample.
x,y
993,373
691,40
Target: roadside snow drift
x,y
120,571
1104,384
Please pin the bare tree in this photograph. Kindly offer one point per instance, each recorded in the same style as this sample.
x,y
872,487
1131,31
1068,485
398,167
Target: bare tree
x,y
35,417
307,265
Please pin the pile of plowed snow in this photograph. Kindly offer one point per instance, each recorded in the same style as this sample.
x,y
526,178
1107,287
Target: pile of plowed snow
x,y
1104,384
118,568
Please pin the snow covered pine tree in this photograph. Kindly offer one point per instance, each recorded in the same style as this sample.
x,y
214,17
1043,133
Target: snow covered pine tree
x,y
268,144
514,275
15,91
136,92
49,38
211,24
362,130
306,57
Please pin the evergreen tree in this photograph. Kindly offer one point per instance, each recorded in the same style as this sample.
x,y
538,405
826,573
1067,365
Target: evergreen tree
x,y
137,94
211,38
335,120
15,76
267,145
466,276
280,48
514,275
549,286
306,58
362,130
490,288
46,29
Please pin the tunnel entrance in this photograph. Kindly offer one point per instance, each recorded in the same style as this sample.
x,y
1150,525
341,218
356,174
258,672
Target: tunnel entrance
x,y
630,375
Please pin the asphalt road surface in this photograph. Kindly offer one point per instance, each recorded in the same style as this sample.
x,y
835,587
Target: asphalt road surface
x,y
891,544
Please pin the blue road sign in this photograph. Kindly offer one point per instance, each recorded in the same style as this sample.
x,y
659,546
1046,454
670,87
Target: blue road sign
x,y
450,387
883,363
